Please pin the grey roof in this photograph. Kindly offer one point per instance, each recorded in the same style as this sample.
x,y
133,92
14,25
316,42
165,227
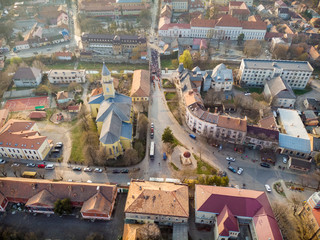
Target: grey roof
x,y
105,71
302,163
26,73
294,143
270,64
309,114
126,130
221,73
180,68
122,109
280,88
111,129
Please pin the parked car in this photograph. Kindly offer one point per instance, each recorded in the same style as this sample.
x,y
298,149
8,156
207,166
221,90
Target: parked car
x,y
115,171
31,165
231,159
152,125
98,170
125,171
41,166
55,151
232,169
59,143
2,161
87,169
266,165
285,160
57,146
76,169
164,156
268,188
15,165
49,167
240,170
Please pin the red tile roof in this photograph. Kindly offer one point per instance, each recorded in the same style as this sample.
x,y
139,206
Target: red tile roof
x,y
227,222
175,25
140,84
37,114
74,108
228,21
234,3
237,124
96,91
245,203
63,54
197,22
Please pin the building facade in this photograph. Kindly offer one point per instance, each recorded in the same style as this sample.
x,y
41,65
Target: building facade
x,y
157,202
221,79
27,77
21,139
56,76
255,72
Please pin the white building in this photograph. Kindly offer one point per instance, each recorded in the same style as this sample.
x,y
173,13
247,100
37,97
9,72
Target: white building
x,y
67,76
27,77
22,45
21,139
225,28
177,5
220,79
254,72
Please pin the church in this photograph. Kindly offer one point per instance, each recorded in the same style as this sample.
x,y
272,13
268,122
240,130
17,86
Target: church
x,y
113,114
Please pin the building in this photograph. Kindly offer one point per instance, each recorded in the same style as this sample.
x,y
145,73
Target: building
x,y
255,72
106,44
310,118
279,93
27,77
65,56
261,138
21,139
140,90
220,79
228,208
293,137
310,214
312,104
96,200
160,202
299,164
226,2
226,27
64,97
179,6
113,115
21,45
38,115
57,76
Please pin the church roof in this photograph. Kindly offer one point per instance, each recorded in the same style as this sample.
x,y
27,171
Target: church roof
x,y
105,71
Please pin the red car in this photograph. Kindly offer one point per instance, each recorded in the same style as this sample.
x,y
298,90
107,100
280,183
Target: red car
x,y
41,166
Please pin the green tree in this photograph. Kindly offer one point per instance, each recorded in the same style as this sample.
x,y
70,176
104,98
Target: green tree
x,y
167,136
41,89
240,39
186,59
62,206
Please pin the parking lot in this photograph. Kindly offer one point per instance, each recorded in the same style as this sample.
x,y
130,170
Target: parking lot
x,y
66,227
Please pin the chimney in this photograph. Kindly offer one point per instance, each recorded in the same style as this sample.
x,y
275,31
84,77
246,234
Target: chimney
x,y
98,188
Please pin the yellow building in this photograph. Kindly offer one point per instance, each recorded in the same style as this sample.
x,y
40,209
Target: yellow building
x,y
113,114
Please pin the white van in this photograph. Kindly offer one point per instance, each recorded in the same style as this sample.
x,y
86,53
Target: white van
x,y
49,167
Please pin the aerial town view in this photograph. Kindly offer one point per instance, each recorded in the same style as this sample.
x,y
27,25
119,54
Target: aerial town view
x,y
159,119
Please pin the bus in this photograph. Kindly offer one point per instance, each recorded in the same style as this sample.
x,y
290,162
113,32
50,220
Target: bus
x,y
152,150
29,174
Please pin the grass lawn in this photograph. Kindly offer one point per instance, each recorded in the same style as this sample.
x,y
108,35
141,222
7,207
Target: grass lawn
x,y
77,144
167,84
62,65
170,95
255,90
203,167
167,63
298,92
173,108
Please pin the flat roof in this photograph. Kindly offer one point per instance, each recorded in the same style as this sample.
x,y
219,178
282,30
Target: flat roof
x,y
285,64
292,123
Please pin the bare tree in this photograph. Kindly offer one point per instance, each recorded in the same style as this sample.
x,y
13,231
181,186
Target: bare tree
x,y
4,170
131,156
143,124
252,48
38,64
280,51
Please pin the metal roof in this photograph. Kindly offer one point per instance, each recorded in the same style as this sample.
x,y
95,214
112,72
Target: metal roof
x,y
271,64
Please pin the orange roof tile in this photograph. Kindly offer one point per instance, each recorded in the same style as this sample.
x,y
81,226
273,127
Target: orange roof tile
x,y
140,84
37,115
237,124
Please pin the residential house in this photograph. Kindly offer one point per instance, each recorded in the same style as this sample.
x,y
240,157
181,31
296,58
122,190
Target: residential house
x,y
254,72
38,115
21,139
96,200
21,45
27,77
57,76
195,6
260,138
113,115
74,108
280,4
220,79
310,118
67,56
106,44
299,164
239,10
275,41
140,90
314,54
53,15
293,137
228,208
283,13
312,104
160,202
4,113
64,97
279,93
177,5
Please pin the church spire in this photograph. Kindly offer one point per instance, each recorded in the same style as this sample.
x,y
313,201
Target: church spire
x,y
107,83
105,71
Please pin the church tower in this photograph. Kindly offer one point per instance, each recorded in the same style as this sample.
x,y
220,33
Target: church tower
x,y
107,83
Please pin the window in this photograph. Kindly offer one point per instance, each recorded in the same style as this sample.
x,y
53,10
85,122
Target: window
x,y
110,151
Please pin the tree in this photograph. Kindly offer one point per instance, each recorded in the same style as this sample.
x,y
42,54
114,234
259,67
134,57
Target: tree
x,y
167,136
38,64
139,147
280,51
143,124
149,231
240,39
20,37
186,59
41,89
74,86
252,48
63,206
131,156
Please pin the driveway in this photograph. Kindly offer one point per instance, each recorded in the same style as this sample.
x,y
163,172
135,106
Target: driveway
x,y
314,93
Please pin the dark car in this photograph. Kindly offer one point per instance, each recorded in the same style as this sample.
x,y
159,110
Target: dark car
x,y
115,171
124,171
76,169
266,165
232,169
55,151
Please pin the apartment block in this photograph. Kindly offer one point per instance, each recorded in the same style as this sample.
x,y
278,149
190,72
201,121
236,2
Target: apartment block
x,y
67,76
